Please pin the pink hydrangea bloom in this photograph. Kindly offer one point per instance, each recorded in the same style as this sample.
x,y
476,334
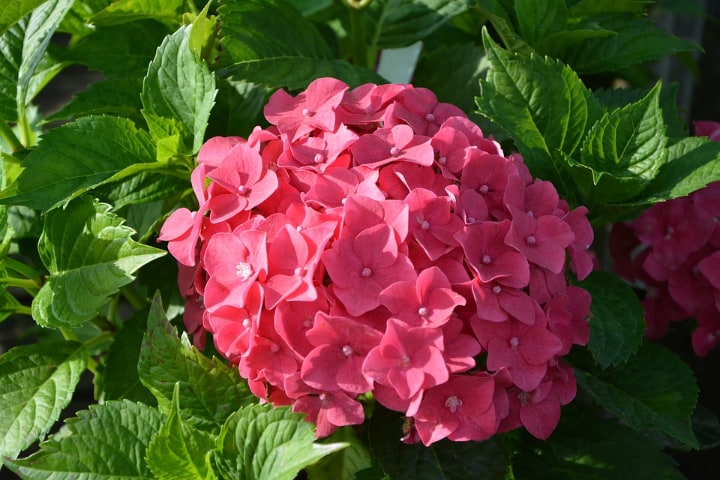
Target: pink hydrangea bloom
x,y
374,241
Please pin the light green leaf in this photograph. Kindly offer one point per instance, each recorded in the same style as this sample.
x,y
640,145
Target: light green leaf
x,y
268,42
107,441
125,11
652,390
591,448
399,23
11,43
209,390
636,40
617,321
76,157
36,383
260,442
692,163
179,451
179,86
89,255
623,151
487,460
543,105
540,19
13,11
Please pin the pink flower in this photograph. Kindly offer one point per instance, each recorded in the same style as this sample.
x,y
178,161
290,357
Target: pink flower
x,y
330,410
396,144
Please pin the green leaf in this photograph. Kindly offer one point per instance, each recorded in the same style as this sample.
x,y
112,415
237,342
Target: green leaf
x,y
14,11
268,42
89,255
344,464
125,11
636,40
399,23
594,7
107,441
42,25
118,97
617,322
11,43
692,163
488,460
623,151
179,86
76,157
542,104
179,451
120,379
591,448
260,442
209,390
36,383
652,390
468,64
238,109
120,51
540,19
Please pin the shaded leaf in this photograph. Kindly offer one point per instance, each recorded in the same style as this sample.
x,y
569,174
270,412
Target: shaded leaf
x,y
343,464
14,11
118,97
125,11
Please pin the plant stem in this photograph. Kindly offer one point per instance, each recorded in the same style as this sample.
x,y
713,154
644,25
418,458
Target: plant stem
x,y
68,334
358,31
133,298
9,136
23,310
25,284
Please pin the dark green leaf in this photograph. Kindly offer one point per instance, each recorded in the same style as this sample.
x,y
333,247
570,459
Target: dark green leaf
x,y
76,157
11,43
238,109
179,451
637,40
260,442
118,97
344,464
617,321
468,64
179,86
540,19
590,448
399,23
125,11
488,460
107,441
120,379
652,390
594,7
270,43
36,383
209,390
121,51
89,254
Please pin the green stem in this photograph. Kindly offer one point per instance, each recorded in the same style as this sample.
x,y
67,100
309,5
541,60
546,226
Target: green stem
x,y
23,310
23,269
27,137
68,334
26,284
9,136
97,340
358,31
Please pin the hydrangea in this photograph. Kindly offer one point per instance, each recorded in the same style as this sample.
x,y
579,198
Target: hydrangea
x,y
374,241
672,252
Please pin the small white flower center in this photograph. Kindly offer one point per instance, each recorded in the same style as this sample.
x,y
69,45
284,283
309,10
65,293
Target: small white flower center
x,y
423,311
366,272
243,270
318,158
453,402
430,117
347,350
484,188
425,225
394,151
497,289
486,259
470,219
531,240
307,113
442,160
243,190
514,341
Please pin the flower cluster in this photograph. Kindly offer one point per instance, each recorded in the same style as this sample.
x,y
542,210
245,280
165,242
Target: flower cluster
x,y
373,240
672,251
